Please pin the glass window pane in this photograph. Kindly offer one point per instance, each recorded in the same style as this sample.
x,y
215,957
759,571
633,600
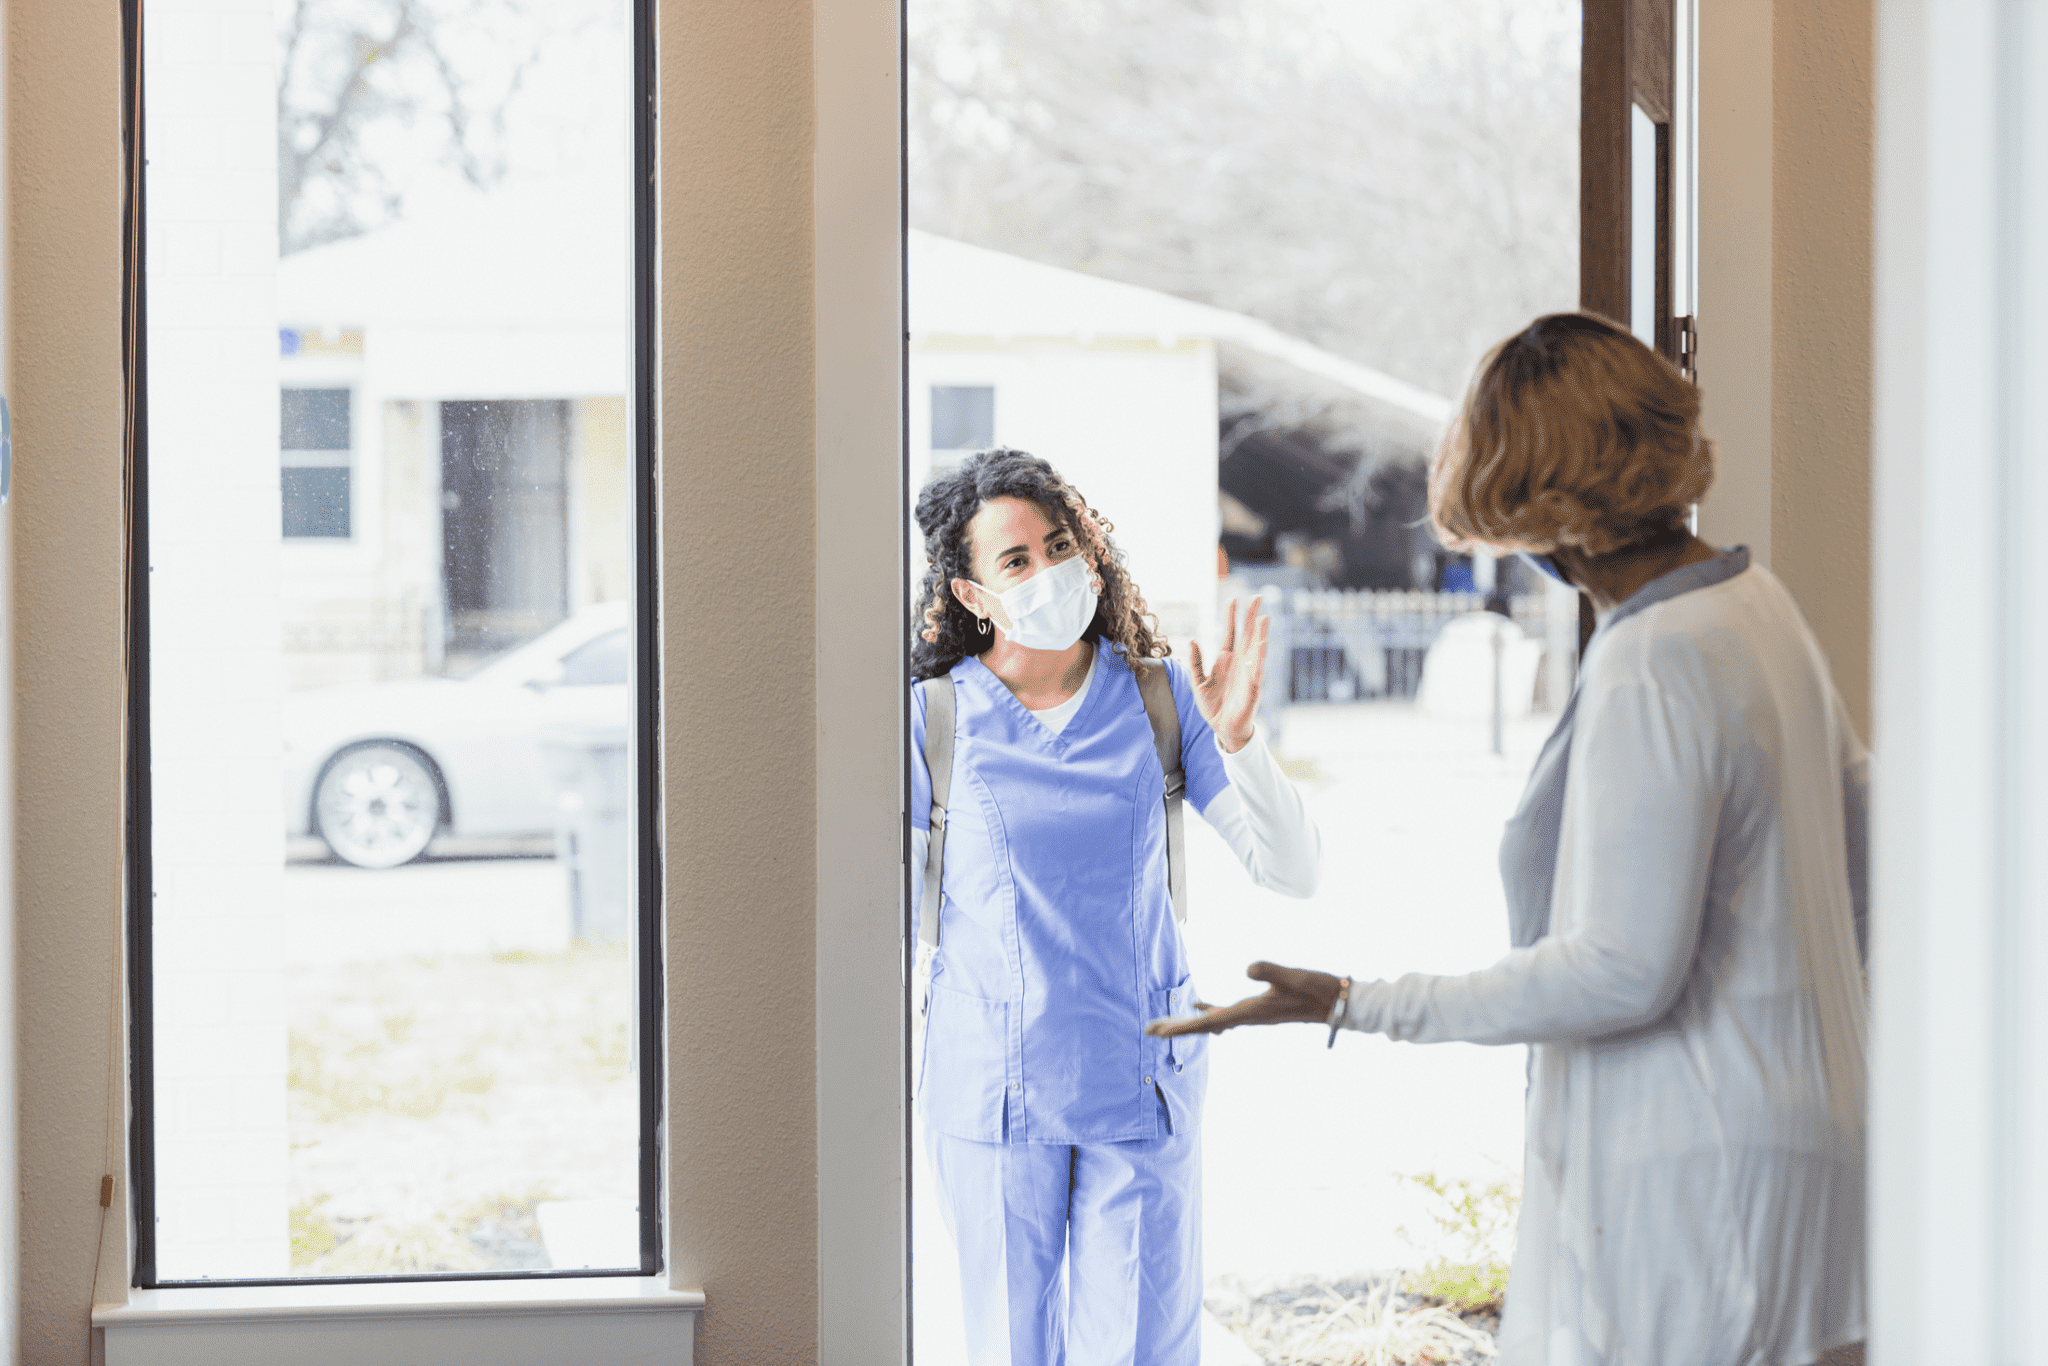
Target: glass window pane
x,y
1642,225
314,419
391,494
315,500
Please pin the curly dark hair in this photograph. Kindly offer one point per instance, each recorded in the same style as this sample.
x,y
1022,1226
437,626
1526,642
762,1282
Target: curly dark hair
x,y
949,502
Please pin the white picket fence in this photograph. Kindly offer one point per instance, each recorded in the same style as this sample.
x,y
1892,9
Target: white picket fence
x,y
1332,645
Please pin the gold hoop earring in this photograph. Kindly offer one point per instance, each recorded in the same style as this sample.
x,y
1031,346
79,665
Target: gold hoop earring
x,y
981,625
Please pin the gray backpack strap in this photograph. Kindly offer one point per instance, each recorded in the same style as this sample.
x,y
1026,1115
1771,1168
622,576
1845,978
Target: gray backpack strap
x,y
939,699
1157,690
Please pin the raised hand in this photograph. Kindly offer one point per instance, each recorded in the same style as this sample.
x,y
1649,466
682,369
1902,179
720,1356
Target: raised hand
x,y
1227,693
1292,996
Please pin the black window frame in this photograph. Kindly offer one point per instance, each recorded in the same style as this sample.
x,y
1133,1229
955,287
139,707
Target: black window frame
x,y
649,1008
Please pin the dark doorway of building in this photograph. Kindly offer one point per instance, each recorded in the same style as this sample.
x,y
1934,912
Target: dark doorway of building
x,y
504,523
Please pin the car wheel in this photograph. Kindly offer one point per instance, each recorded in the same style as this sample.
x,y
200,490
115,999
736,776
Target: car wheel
x,y
377,806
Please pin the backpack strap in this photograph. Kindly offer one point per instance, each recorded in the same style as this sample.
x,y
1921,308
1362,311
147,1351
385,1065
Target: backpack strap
x,y
1157,689
939,698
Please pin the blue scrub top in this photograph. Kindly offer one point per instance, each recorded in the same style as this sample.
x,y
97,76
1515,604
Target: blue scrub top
x,y
1058,940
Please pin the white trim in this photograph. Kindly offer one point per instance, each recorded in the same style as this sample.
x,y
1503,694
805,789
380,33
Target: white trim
x,y
598,1320
396,1300
862,1110
1959,1093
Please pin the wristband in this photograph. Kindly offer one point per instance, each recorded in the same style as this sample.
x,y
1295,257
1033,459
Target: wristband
x,y
1337,1010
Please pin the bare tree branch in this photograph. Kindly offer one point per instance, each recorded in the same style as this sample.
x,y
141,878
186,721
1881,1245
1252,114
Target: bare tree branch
x,y
1402,204
372,91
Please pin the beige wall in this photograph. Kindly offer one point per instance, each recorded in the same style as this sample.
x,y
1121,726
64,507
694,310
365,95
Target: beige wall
x,y
1821,352
739,733
64,215
1784,308
863,1119
10,1194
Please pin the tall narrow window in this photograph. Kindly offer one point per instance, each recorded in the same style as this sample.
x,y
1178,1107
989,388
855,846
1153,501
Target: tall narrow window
x,y
313,483
392,885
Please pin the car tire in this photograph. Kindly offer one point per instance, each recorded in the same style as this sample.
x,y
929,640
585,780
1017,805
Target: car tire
x,y
377,805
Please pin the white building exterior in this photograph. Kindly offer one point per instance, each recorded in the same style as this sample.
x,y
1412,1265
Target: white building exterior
x,y
510,299
1115,385
219,1010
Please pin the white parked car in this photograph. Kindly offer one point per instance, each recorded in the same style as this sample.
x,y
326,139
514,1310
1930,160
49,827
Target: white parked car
x,y
378,771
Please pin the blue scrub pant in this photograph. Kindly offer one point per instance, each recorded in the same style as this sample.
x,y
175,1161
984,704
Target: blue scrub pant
x,y
1084,1254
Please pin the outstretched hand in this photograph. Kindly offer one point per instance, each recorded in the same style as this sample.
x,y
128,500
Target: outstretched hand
x,y
1292,995
1227,693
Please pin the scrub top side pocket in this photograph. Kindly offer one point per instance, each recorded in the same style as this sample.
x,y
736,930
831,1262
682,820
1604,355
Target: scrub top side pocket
x,y
1180,1066
966,1067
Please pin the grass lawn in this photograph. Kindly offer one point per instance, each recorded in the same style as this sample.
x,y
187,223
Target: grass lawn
x,y
435,1101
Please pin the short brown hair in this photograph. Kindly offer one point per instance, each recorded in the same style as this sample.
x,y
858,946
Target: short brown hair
x,y
1575,434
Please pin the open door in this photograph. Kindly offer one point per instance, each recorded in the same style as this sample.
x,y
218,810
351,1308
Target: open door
x,y
1631,141
504,522
1628,171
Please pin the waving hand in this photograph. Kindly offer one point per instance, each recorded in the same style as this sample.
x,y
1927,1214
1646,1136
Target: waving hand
x,y
1227,692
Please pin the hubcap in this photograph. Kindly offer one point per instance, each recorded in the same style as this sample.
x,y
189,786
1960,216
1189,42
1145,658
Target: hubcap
x,y
378,807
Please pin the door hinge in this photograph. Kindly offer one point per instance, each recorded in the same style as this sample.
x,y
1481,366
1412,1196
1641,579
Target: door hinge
x,y
1689,348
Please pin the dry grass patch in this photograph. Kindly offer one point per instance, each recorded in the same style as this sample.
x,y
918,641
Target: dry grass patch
x,y
1368,1321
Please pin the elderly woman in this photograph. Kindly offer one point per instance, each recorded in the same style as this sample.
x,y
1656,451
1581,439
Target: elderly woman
x,y
1684,882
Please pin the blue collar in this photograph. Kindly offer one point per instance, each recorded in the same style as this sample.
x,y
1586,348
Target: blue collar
x,y
1665,587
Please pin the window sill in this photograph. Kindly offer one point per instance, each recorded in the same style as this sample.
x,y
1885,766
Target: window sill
x,y
451,1323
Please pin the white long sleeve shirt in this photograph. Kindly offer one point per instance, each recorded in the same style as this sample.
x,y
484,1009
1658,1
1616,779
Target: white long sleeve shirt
x,y
1693,1190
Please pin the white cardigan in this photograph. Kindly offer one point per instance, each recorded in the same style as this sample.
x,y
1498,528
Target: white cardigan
x,y
1693,1187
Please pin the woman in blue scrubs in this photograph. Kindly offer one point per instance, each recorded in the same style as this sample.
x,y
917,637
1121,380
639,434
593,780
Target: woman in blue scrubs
x,y
1065,1144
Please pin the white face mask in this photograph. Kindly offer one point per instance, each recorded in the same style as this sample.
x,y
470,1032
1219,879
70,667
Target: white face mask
x,y
1049,610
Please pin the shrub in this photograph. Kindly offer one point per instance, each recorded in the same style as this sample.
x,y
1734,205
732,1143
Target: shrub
x,y
1476,1222
313,1233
